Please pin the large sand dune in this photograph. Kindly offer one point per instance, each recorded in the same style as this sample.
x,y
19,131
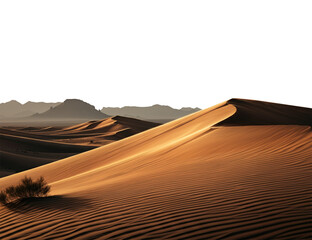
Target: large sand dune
x,y
204,176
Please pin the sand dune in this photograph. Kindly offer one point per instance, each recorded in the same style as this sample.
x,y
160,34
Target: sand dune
x,y
23,148
221,173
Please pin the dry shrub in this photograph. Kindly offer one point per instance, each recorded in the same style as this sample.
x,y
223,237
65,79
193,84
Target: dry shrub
x,y
27,188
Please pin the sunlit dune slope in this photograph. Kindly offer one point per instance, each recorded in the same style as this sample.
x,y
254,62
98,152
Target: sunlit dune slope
x,y
193,178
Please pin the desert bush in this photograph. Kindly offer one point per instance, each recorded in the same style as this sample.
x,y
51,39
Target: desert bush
x,y
27,188
3,197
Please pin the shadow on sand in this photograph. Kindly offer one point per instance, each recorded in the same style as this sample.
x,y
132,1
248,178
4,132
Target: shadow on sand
x,y
51,203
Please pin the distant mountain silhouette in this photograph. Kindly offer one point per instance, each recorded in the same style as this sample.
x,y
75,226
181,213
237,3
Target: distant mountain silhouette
x,y
155,112
72,109
14,109
39,107
10,108
78,109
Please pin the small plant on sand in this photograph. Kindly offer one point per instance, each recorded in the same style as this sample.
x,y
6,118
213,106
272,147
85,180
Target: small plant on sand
x,y
27,188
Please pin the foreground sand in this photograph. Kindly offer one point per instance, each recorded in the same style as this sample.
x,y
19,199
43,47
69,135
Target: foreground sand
x,y
209,175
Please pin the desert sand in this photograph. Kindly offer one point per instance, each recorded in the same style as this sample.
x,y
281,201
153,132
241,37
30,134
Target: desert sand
x,y
239,170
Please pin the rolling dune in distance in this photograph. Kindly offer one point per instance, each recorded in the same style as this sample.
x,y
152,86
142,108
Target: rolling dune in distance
x,y
23,148
239,170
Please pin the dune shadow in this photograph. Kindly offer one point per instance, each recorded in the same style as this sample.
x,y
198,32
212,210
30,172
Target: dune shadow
x,y
50,203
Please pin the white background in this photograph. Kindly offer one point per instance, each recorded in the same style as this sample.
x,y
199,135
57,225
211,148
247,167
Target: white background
x,y
179,53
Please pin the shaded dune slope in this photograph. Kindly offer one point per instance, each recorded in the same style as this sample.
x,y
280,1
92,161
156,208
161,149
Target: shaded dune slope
x,y
187,179
251,112
20,153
